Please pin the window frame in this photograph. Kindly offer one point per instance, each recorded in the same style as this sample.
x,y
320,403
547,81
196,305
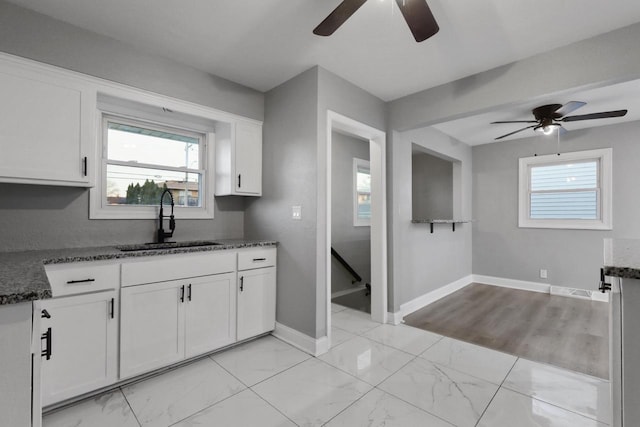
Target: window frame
x,y
99,209
603,191
359,222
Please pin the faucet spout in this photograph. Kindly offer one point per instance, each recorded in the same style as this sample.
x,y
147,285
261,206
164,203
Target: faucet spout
x,y
162,235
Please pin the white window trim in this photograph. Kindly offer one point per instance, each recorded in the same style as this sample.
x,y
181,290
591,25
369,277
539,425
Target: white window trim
x,y
98,209
358,222
604,157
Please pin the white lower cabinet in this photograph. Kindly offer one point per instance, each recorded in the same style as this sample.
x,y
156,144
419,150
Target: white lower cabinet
x,y
256,302
79,345
210,315
166,322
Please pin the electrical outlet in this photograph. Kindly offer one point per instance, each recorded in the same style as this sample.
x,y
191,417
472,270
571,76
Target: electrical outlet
x,y
543,274
296,212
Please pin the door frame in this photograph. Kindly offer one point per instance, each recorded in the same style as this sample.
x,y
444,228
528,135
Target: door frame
x,y
377,160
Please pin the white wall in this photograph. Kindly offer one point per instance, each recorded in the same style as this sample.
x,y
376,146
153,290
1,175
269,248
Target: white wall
x,y
571,257
351,242
423,262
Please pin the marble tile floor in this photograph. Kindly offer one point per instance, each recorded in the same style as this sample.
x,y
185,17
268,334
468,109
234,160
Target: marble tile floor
x,y
374,375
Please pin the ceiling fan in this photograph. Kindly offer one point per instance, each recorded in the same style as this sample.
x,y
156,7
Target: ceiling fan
x,y
548,117
416,12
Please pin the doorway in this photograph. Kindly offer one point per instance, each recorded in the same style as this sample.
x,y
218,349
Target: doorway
x,y
378,222
350,222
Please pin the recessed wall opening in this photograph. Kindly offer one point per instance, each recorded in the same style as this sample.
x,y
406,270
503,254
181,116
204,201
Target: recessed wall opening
x,y
435,185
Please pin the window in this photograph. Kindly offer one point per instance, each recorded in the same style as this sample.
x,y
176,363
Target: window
x,y
361,193
141,159
570,190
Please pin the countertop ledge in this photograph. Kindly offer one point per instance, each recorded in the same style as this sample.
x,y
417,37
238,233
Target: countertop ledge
x,y
622,258
23,277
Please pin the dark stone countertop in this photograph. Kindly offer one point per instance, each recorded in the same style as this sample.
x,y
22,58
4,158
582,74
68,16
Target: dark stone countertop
x,y
23,277
622,258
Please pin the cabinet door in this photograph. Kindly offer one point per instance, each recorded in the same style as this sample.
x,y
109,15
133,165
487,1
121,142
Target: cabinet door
x,y
248,158
256,302
45,127
152,326
82,345
210,313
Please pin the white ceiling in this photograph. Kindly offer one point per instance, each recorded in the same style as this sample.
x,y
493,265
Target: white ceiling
x,y
263,43
476,130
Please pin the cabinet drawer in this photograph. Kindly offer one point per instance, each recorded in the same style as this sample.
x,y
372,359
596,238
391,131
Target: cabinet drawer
x,y
256,258
78,278
163,268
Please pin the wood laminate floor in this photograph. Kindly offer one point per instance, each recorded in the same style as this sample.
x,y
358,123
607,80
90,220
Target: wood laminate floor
x,y
567,332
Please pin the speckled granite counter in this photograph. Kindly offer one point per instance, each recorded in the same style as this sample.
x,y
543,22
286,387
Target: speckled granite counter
x,y
23,278
622,258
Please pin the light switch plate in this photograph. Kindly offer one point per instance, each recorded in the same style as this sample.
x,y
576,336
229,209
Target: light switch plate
x,y
296,212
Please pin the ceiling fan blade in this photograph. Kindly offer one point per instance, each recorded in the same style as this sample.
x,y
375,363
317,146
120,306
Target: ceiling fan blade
x,y
603,115
338,17
567,108
519,130
419,18
515,121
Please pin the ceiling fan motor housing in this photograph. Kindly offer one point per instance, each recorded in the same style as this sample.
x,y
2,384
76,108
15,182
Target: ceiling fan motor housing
x,y
547,112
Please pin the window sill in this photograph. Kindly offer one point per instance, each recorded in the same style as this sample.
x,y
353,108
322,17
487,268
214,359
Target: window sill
x,y
573,225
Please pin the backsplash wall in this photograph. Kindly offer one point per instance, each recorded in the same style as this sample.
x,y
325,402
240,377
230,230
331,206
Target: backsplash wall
x,y
45,217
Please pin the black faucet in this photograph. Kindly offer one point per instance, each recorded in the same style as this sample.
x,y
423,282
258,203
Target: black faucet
x,y
172,222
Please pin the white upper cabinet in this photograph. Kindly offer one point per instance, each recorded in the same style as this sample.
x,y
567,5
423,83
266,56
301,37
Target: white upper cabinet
x,y
46,125
239,160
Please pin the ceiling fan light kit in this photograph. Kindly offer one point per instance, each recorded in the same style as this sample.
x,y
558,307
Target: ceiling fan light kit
x,y
416,13
548,117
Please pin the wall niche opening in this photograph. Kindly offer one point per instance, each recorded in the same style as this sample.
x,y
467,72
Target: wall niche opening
x,y
435,185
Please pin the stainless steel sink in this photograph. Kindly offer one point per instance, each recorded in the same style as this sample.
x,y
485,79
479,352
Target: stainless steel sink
x,y
166,245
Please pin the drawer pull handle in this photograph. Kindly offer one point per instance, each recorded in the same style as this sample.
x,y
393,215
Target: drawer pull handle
x,y
259,259
241,283
45,314
71,282
47,337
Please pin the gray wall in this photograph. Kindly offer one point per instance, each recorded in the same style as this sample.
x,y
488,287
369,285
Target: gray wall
x,y
295,135
44,217
288,179
431,187
38,217
423,262
352,243
15,354
572,257
340,96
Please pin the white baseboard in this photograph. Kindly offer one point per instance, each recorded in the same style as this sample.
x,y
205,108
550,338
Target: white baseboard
x,y
347,291
313,346
431,297
394,318
544,288
512,283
